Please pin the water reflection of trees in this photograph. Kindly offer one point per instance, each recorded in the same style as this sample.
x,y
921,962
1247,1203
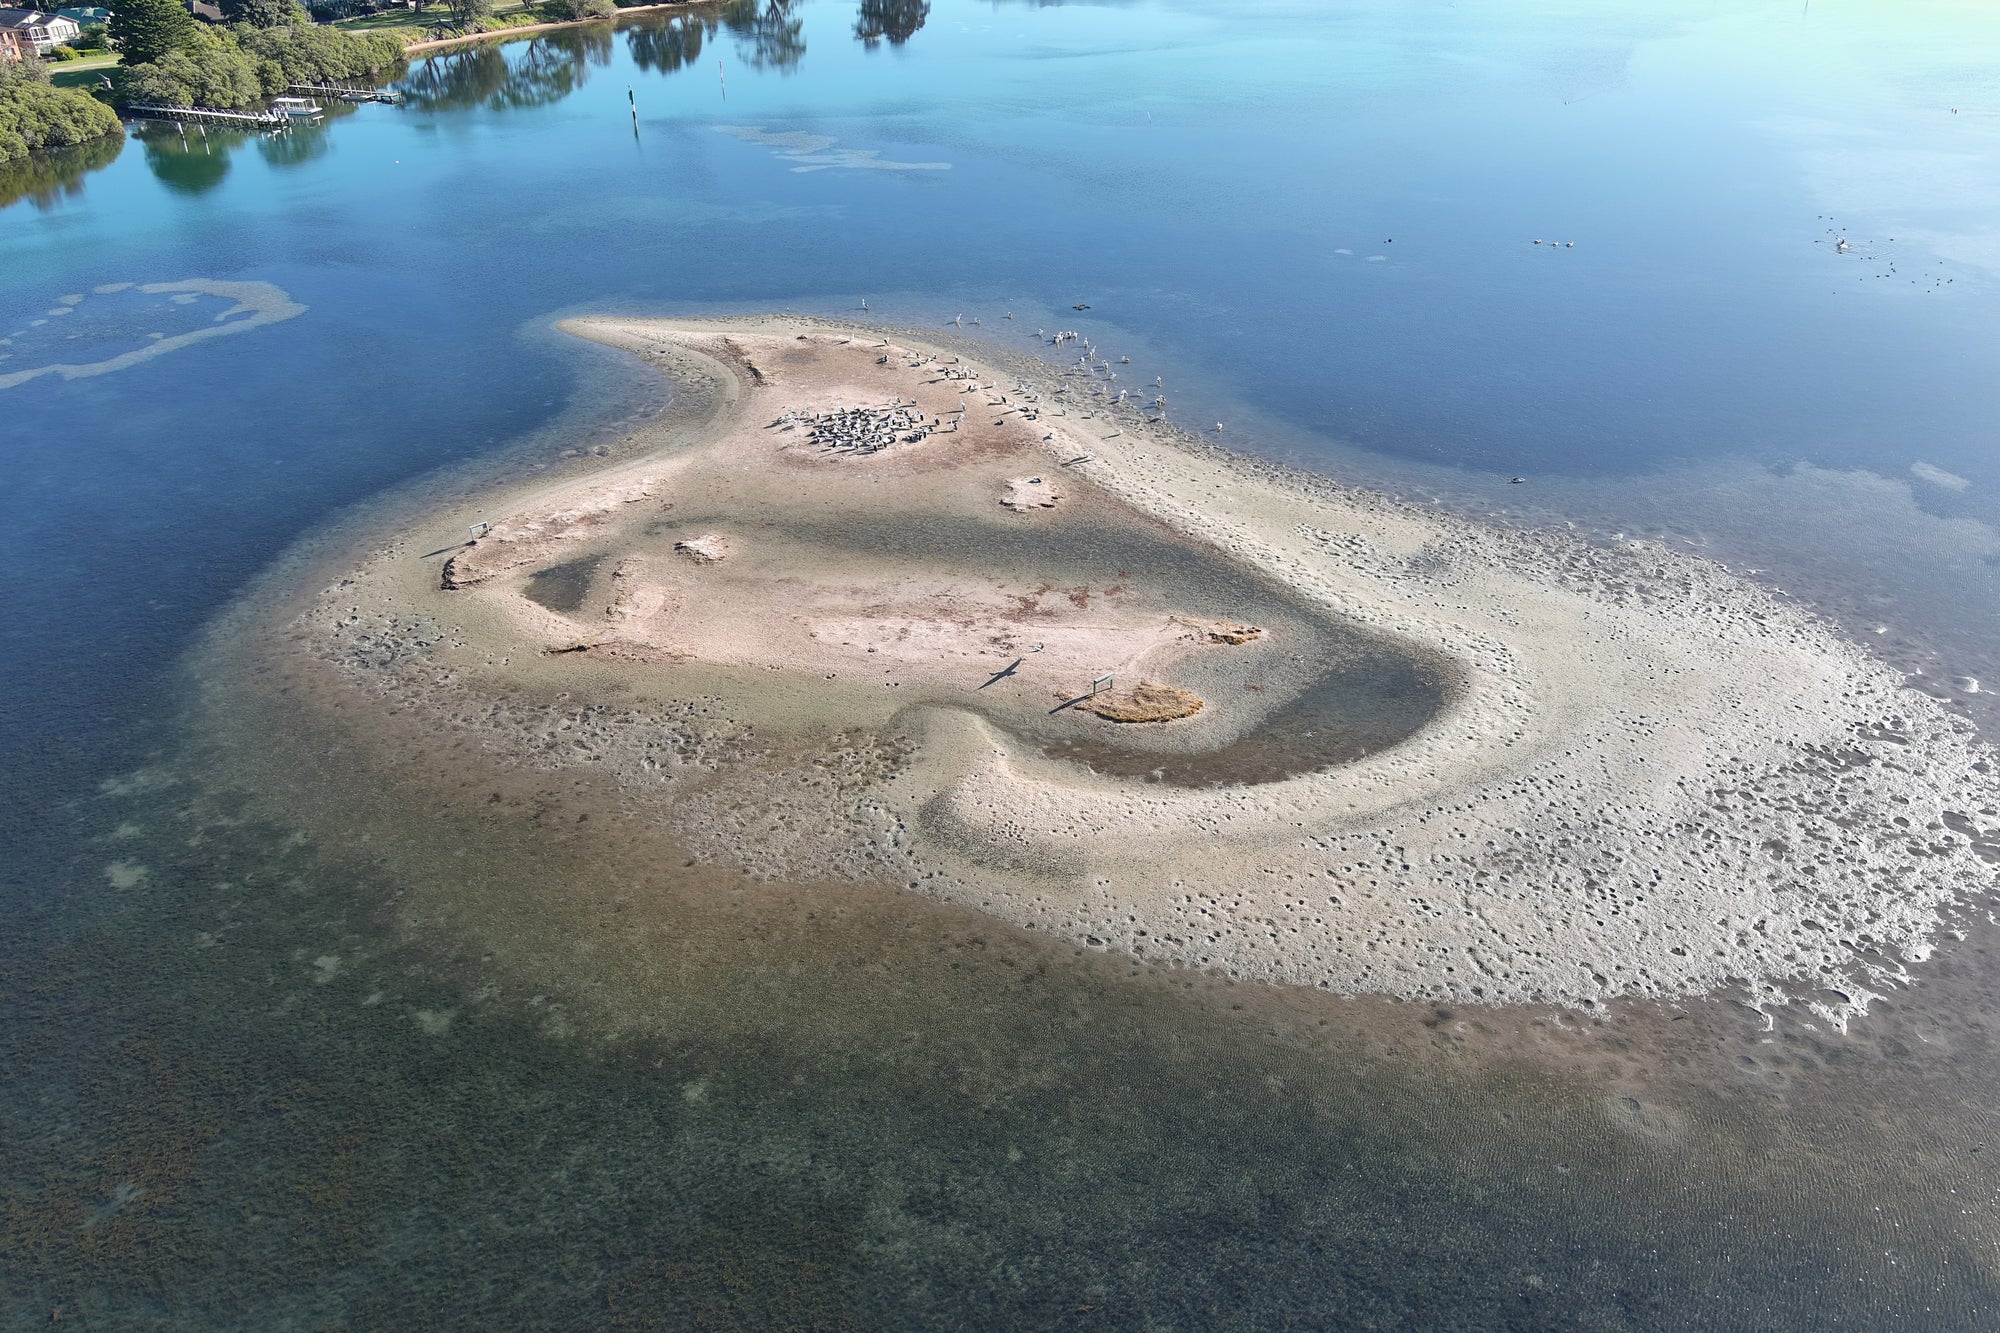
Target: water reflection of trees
x,y
545,70
668,45
48,177
768,34
897,20
295,147
194,159
188,163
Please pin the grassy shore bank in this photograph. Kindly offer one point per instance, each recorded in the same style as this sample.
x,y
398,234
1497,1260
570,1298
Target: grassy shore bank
x,y
83,72
509,18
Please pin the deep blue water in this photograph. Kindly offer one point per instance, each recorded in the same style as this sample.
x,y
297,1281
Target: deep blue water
x,y
1322,211
1315,222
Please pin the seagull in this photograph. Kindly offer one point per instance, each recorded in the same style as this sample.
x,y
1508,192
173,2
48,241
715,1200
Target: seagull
x,y
1080,307
1515,481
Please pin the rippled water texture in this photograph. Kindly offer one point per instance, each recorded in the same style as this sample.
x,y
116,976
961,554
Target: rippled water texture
x,y
291,1034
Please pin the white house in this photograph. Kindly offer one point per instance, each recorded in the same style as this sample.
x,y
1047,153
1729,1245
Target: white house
x,y
43,32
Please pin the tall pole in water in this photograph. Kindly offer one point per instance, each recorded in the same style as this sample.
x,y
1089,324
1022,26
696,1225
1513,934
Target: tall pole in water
x,y
633,99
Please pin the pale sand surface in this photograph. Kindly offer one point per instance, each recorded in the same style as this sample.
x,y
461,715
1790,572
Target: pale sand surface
x,y
1642,773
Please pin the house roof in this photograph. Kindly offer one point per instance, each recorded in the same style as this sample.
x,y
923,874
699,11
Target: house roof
x,y
23,18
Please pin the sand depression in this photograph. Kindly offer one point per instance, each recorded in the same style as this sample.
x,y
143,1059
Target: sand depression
x,y
1397,751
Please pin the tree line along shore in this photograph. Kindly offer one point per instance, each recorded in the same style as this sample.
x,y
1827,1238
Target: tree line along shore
x,y
157,53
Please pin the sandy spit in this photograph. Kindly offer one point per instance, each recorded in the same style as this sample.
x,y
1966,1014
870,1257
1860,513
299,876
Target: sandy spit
x,y
1646,775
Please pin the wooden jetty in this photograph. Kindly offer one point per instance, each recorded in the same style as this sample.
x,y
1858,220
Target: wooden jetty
x,y
345,93
257,120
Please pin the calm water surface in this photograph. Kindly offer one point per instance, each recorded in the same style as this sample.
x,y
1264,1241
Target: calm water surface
x,y
241,1091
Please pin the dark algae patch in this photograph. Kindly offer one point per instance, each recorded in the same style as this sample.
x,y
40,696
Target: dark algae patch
x,y
562,588
1362,707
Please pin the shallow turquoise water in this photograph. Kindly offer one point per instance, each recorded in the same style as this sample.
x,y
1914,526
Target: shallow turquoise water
x,y
1314,223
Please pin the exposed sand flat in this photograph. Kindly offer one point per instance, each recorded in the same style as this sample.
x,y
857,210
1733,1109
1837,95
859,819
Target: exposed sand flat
x,y
1639,773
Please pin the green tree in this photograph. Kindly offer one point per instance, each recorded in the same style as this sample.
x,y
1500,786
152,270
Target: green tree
x,y
35,116
211,71
309,54
145,30
265,13
465,14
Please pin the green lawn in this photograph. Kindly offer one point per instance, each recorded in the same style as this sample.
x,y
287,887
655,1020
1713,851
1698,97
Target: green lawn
x,y
418,23
81,73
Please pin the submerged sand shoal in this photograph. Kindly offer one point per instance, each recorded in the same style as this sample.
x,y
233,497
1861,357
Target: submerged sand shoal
x,y
1636,772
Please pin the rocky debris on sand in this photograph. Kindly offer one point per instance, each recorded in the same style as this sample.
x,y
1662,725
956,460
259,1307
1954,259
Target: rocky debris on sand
x,y
1144,702
460,572
705,549
1025,493
1234,634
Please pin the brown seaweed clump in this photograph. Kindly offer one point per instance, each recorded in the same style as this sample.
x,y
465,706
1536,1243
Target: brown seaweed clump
x,y
1144,702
